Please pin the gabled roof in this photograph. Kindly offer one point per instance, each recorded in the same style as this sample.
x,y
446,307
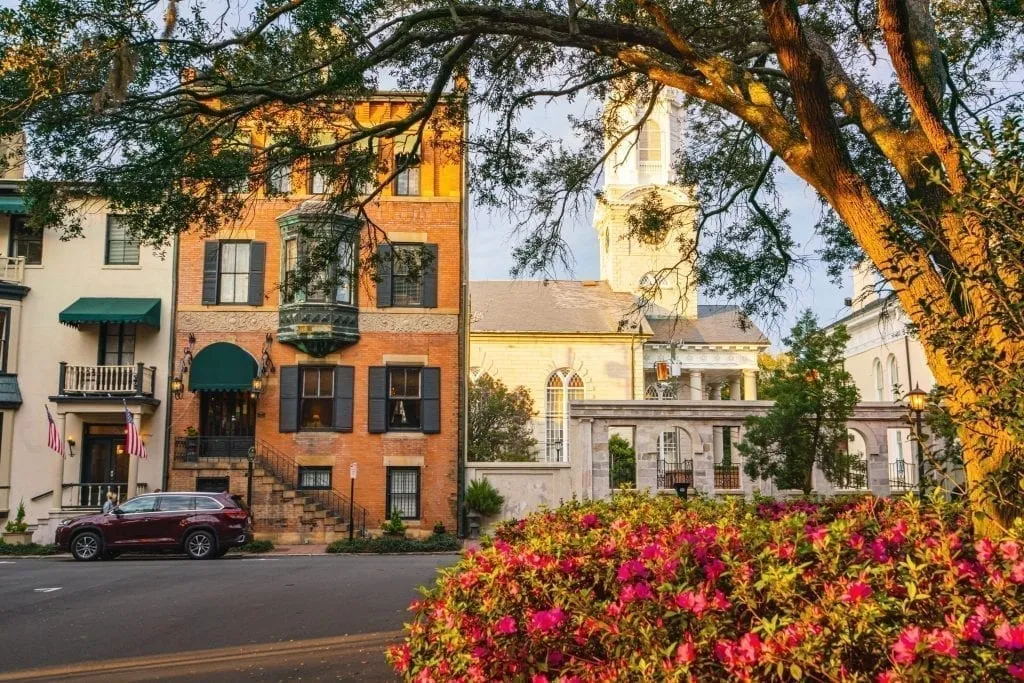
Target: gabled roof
x,y
553,307
714,325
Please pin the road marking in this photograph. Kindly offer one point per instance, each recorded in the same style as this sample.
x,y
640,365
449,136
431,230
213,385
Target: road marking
x,y
5,562
260,559
48,590
219,660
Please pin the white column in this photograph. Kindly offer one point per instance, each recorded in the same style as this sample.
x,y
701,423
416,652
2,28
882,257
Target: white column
x,y
133,461
58,472
734,388
750,385
696,386
716,391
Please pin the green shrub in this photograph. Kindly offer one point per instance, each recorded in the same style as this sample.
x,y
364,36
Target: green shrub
x,y
652,588
257,546
17,525
394,526
439,529
390,544
27,549
483,498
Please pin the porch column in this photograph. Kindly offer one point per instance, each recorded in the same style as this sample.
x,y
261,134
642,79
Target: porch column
x,y
58,472
133,461
734,388
750,385
716,391
696,386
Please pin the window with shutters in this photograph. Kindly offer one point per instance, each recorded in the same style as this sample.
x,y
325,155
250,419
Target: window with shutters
x,y
314,477
403,492
404,398
122,248
234,273
26,242
407,275
316,404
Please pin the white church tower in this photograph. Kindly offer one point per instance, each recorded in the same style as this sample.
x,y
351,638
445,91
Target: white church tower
x,y
644,164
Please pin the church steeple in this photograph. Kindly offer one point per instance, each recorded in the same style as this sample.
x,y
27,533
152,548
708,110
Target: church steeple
x,y
644,163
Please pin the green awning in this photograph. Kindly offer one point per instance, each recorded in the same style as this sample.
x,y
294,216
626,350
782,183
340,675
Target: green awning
x,y
13,204
222,366
97,310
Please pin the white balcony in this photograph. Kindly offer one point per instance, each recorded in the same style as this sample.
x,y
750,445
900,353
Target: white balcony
x,y
12,269
106,380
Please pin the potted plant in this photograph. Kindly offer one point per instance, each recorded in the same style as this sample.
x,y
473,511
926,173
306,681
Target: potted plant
x,y
439,529
482,500
16,531
191,444
394,526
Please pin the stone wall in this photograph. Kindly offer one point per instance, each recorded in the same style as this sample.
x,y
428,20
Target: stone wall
x,y
525,486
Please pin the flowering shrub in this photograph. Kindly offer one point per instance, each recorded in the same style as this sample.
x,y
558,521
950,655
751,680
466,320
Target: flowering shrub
x,y
652,588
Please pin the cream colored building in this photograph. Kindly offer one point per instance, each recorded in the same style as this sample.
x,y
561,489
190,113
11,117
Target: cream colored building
x,y
87,330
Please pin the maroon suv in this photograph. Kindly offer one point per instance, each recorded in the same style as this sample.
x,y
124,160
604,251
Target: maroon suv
x,y
204,525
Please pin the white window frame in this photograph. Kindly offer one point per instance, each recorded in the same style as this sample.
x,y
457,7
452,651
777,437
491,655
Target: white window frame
x,y
893,370
563,385
879,380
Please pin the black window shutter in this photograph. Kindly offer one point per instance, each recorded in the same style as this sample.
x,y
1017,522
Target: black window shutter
x,y
288,418
344,381
430,276
378,406
384,273
430,387
211,270
257,266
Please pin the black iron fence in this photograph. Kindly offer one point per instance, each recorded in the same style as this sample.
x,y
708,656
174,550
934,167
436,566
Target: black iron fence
x,y
727,477
287,471
672,473
902,476
192,448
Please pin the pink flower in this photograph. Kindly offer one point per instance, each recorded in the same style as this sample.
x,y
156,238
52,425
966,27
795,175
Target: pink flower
x,y
1017,572
652,552
539,678
985,549
713,568
817,534
971,631
1009,550
855,592
506,625
749,648
905,649
942,642
1009,637
589,521
686,652
692,602
720,602
1016,671
886,677
547,620
632,569
637,591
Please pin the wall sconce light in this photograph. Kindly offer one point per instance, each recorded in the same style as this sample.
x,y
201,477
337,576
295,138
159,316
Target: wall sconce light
x,y
257,385
177,387
71,447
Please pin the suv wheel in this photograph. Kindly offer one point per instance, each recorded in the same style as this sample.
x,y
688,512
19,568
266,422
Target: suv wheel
x,y
85,547
200,545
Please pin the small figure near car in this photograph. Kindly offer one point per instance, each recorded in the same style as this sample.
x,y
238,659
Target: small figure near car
x,y
110,503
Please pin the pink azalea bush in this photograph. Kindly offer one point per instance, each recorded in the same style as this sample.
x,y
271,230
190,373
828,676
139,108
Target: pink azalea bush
x,y
652,588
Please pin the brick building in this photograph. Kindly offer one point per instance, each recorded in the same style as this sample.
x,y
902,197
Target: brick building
x,y
365,372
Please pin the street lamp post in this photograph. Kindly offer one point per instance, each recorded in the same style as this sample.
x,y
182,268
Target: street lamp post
x,y
917,399
252,460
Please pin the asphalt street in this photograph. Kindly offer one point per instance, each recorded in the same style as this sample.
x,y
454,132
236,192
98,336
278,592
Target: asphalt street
x,y
252,618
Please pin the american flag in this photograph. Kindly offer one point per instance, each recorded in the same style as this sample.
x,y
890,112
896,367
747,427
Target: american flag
x,y
53,439
133,440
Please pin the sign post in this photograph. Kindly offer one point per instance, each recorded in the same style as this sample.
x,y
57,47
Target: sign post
x,y
352,470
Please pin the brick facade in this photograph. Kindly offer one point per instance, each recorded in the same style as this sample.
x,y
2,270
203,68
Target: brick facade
x,y
415,336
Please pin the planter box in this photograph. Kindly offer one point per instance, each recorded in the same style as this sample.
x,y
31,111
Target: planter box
x,y
17,539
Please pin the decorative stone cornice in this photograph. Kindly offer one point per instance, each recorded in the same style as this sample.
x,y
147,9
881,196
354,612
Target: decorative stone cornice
x,y
227,321
426,323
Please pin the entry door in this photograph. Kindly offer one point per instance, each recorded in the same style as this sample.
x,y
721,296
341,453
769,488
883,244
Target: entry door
x,y
104,463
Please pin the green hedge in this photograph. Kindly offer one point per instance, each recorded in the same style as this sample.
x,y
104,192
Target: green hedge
x,y
28,549
390,544
257,546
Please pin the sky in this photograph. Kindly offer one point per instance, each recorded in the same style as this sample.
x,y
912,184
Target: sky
x,y
491,241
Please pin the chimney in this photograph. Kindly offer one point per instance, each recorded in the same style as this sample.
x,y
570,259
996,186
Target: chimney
x,y
865,281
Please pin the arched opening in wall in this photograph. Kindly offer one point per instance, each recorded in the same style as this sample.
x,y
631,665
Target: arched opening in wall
x,y
675,459
879,381
894,378
621,457
902,464
854,470
564,385
660,391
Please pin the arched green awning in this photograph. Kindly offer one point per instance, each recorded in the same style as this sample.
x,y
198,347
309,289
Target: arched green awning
x,y
222,367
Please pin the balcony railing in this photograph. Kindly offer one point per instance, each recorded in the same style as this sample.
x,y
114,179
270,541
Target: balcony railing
x,y
12,269
93,494
192,448
674,472
727,477
902,476
106,380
